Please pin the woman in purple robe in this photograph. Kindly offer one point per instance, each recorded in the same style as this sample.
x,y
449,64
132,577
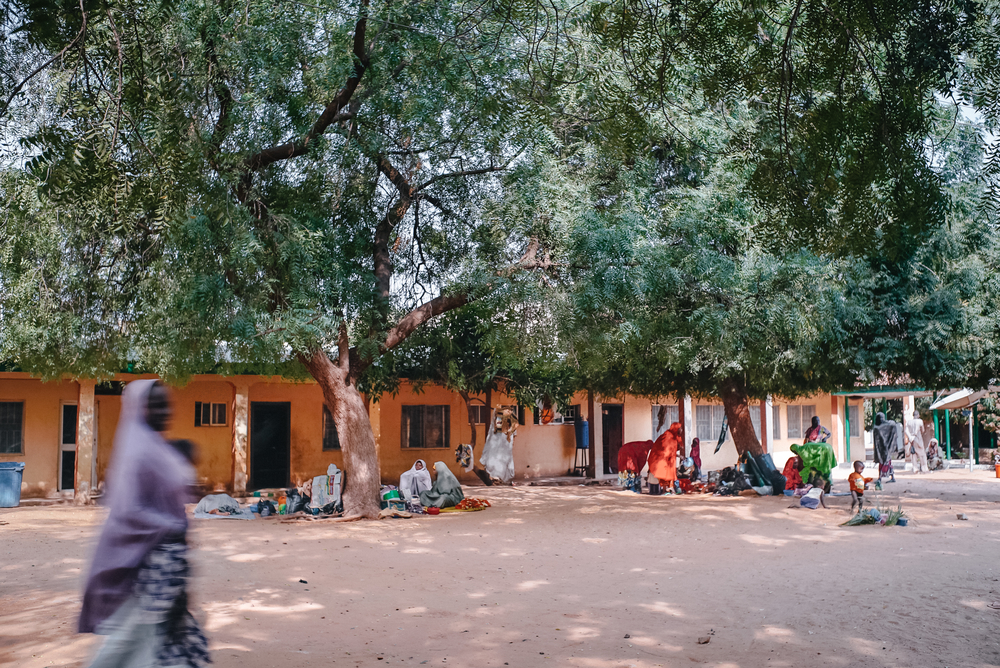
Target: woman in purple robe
x,y
136,591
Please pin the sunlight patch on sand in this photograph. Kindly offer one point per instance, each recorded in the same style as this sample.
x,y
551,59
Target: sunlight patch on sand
x,y
754,539
594,540
528,585
246,558
663,608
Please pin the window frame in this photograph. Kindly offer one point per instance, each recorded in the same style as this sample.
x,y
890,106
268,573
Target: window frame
x,y
330,444
793,422
674,409
20,442
212,408
776,419
405,438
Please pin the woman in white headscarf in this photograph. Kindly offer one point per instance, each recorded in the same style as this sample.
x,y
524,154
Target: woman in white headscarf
x,y
414,481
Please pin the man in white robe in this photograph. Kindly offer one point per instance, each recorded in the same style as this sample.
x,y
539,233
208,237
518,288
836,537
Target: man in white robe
x,y
913,433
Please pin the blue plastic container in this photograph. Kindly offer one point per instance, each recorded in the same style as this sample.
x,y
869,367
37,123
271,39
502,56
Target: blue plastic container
x,y
902,522
10,484
789,492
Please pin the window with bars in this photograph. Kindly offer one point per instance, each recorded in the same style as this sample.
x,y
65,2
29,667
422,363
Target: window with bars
x,y
776,421
755,419
425,427
331,440
567,416
708,421
210,415
794,416
799,420
672,416
479,414
855,416
11,427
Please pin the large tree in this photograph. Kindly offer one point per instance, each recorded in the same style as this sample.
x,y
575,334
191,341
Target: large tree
x,y
268,182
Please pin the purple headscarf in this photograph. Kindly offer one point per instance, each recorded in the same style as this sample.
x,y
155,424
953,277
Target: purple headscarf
x,y
148,484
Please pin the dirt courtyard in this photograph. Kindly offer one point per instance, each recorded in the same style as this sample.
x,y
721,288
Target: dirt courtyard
x,y
558,576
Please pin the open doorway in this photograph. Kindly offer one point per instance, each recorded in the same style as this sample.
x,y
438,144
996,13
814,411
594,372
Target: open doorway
x,y
613,432
67,448
270,443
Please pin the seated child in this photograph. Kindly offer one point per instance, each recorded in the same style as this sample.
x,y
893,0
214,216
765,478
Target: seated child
x,y
858,483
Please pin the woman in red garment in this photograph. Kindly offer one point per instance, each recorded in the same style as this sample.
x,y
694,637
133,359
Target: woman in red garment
x,y
631,460
793,480
663,458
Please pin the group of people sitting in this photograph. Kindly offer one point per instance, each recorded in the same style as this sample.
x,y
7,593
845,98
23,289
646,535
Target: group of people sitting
x,y
666,461
417,489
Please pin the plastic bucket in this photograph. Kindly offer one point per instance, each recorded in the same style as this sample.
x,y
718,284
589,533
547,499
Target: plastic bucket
x,y
998,470
10,484
902,522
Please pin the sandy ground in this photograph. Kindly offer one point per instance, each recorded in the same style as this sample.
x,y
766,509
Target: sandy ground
x,y
559,576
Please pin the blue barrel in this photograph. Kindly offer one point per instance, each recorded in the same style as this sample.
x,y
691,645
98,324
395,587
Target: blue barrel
x,y
582,434
10,484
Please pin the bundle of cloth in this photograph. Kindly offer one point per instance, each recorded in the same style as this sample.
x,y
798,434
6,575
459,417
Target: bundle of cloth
x,y
222,506
326,491
818,462
498,450
446,490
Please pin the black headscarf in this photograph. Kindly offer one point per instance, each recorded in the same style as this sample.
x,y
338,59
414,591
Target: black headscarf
x,y
888,437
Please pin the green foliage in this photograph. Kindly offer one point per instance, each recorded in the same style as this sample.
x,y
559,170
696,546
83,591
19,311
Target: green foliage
x,y
185,249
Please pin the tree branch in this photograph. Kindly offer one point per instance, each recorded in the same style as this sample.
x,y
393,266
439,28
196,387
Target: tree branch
x,y
332,114
418,316
18,87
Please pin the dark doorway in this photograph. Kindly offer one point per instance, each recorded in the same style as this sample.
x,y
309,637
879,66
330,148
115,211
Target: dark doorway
x,y
270,438
613,432
68,470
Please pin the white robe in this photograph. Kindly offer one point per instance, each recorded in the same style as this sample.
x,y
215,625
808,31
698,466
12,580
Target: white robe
x,y
412,482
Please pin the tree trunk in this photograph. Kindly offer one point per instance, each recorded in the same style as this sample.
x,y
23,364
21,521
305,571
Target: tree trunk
x,y
734,398
361,468
483,475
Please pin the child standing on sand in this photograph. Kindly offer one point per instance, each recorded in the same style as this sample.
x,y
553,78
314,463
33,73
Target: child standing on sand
x,y
857,483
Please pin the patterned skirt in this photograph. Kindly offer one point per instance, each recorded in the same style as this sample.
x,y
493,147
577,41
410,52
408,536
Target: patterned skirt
x,y
161,589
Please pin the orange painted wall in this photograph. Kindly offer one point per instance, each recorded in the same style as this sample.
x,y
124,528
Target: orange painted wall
x,y
41,423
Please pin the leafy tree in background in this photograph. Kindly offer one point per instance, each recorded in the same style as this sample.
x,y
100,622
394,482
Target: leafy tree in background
x,y
268,182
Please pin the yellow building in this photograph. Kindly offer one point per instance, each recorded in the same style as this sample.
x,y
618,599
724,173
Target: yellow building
x,y
262,432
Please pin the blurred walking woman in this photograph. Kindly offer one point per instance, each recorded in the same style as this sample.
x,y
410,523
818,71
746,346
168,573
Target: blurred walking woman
x,y
136,592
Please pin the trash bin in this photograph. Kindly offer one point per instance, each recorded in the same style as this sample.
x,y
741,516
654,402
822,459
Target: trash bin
x,y
10,484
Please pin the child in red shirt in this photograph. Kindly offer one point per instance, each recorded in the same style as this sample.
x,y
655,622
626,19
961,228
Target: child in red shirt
x,y
858,483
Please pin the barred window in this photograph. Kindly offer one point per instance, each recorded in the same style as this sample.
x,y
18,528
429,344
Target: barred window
x,y
210,415
776,421
331,440
11,427
709,422
425,427
755,419
672,416
794,428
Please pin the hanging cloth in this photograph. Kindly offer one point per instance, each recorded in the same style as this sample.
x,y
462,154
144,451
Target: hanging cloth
x,y
498,451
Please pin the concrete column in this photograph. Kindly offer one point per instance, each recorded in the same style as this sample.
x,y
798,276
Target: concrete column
x,y
597,437
241,437
86,434
767,429
687,417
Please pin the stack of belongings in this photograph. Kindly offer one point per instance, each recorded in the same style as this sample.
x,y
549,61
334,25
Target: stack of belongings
x,y
763,476
222,506
326,492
